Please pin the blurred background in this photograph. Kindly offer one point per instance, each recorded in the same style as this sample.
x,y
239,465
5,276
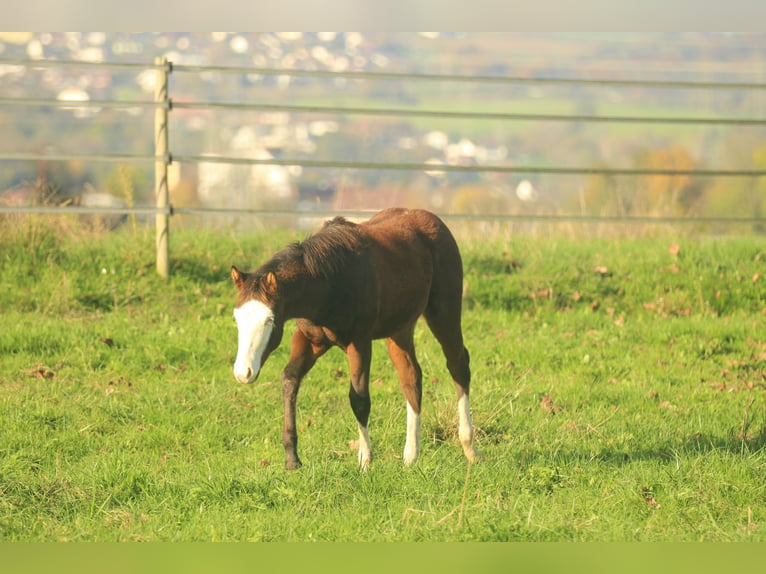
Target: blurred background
x,y
521,127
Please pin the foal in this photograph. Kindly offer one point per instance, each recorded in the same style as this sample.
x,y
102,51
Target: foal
x,y
347,285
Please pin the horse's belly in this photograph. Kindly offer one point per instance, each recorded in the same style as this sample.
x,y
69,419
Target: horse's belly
x,y
397,310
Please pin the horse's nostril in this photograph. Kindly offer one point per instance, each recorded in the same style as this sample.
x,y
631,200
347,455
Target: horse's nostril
x,y
242,377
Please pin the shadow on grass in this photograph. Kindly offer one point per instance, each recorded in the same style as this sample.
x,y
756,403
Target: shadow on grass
x,y
198,270
695,445
698,444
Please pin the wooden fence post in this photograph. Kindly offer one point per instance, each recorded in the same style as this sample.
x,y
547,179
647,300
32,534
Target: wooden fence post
x,y
162,216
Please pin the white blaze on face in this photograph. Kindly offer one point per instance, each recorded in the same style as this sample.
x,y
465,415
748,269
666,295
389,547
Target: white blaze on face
x,y
255,321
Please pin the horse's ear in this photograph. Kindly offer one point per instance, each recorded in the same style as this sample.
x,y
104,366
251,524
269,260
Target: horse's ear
x,y
270,283
236,276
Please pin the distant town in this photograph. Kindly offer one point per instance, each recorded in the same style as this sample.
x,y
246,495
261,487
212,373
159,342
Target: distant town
x,y
701,57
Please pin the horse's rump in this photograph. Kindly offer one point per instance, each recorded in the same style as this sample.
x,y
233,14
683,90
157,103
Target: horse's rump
x,y
416,261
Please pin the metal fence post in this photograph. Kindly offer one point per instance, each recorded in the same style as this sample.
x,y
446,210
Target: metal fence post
x,y
162,217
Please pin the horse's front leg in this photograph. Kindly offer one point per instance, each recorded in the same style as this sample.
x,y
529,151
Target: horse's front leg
x,y
303,355
359,356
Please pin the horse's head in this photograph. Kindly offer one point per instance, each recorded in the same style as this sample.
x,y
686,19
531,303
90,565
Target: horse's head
x,y
259,327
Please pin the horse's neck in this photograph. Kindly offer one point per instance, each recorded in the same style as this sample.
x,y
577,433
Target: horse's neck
x,y
304,298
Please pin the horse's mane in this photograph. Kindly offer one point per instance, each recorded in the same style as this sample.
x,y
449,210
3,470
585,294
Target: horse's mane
x,y
325,253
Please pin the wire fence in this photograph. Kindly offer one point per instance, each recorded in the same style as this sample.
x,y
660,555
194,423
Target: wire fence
x,y
163,105
397,112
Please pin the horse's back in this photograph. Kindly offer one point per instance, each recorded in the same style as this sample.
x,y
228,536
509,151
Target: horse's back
x,y
412,228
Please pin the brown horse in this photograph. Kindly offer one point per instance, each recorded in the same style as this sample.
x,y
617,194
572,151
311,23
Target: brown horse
x,y
347,285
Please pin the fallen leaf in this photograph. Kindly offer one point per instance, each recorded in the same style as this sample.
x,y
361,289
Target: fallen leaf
x,y
648,495
652,502
120,381
542,294
41,373
547,405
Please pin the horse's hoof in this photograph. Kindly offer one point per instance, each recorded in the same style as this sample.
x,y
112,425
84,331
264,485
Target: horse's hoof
x,y
474,456
293,465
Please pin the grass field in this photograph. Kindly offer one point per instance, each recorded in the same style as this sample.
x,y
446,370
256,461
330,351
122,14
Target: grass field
x,y
618,395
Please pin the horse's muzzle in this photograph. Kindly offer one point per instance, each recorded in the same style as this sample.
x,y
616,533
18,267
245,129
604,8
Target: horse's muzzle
x,y
246,378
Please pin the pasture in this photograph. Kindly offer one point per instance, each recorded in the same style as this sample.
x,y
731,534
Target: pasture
x,y
617,395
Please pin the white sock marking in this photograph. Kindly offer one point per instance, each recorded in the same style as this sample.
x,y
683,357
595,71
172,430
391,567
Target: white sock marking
x,y
412,443
465,428
365,448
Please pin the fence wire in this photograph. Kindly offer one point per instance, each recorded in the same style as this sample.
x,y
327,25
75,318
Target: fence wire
x,y
356,213
397,112
390,76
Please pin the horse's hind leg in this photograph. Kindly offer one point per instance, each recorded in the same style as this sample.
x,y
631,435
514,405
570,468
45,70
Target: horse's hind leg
x,y
446,329
465,425
401,349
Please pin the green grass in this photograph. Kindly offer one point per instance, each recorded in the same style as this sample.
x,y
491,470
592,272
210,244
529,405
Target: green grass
x,y
618,395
